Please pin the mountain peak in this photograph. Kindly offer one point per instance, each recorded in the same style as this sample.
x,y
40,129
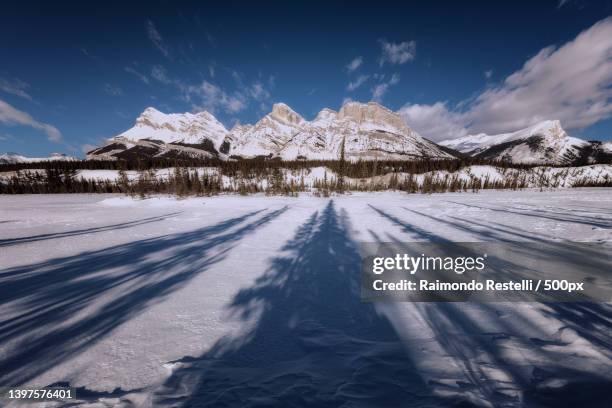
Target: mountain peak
x,y
374,114
326,115
150,111
284,113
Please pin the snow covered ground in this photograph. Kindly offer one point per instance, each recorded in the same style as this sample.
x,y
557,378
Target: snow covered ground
x,y
254,301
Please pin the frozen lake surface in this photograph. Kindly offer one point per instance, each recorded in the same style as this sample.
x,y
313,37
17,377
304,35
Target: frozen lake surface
x,y
254,301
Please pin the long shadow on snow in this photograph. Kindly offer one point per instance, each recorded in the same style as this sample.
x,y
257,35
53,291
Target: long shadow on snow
x,y
549,215
476,349
72,233
42,304
314,342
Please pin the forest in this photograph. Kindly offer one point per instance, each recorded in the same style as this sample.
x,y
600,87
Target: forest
x,y
211,176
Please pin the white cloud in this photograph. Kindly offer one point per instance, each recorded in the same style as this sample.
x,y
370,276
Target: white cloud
x,y
139,75
15,87
211,69
435,121
113,90
572,83
488,73
354,64
213,98
397,53
13,116
381,89
157,39
357,82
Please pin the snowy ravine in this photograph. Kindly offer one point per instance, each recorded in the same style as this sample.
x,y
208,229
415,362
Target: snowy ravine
x,y
254,301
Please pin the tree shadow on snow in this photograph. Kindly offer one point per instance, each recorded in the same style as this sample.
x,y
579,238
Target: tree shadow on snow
x,y
314,343
72,233
478,337
53,310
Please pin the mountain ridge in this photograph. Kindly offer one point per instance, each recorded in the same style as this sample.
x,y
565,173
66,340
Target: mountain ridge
x,y
370,132
545,142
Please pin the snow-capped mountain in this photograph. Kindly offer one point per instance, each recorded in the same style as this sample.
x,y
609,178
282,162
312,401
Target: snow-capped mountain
x,y
186,128
12,158
159,134
370,131
544,142
268,136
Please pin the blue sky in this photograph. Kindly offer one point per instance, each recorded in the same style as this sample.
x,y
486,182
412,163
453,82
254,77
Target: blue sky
x,y
72,75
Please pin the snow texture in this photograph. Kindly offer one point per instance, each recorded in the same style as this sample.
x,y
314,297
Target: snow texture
x,y
254,301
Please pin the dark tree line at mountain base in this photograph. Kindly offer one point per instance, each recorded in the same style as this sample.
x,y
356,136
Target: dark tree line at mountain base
x,y
356,169
277,180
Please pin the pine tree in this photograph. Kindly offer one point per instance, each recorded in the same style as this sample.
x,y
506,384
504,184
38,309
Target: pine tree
x,y
341,167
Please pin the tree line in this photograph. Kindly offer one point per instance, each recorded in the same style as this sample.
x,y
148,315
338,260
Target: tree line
x,y
210,177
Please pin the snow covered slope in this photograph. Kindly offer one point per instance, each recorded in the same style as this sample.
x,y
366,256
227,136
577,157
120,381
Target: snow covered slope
x,y
268,135
11,158
175,127
544,142
160,134
370,131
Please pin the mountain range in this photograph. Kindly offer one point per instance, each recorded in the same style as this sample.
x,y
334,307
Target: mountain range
x,y
12,158
368,131
544,142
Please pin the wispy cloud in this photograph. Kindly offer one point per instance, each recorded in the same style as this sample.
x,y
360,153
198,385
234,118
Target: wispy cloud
x,y
562,3
113,90
354,64
258,91
209,96
488,73
159,73
570,83
137,74
13,116
381,89
397,53
360,80
15,87
213,98
157,39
